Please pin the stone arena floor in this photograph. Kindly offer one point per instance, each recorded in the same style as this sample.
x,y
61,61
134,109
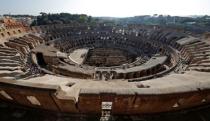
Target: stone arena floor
x,y
76,56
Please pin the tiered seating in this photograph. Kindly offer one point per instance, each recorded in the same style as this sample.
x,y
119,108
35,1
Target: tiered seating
x,y
15,56
10,63
200,53
158,53
145,44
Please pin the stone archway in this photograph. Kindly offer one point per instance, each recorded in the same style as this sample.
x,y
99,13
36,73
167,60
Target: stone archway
x,y
40,60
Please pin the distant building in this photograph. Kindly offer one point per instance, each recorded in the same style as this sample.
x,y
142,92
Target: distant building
x,y
2,26
208,18
25,20
190,23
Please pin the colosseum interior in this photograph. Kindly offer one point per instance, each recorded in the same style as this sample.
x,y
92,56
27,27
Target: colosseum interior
x,y
103,70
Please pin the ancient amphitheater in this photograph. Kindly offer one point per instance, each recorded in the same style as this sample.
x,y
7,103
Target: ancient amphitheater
x,y
103,70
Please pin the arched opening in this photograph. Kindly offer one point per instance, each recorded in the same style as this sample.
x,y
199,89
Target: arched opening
x,y
40,59
2,34
135,75
8,33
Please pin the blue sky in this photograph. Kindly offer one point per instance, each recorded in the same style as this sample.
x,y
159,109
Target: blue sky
x,y
114,8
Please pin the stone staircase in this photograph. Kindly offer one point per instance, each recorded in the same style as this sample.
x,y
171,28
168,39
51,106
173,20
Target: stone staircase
x,y
14,56
200,54
10,63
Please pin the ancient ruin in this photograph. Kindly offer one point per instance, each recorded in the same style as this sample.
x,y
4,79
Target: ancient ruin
x,y
103,70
